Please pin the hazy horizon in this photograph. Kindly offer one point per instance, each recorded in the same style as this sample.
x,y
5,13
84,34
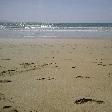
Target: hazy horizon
x,y
12,21
56,11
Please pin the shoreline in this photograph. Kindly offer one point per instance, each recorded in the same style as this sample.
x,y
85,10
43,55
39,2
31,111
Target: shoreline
x,y
57,38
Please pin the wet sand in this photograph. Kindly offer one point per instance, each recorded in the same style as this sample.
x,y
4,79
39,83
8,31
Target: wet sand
x,y
56,75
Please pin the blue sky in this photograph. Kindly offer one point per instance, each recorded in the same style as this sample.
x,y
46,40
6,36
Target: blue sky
x,y
56,10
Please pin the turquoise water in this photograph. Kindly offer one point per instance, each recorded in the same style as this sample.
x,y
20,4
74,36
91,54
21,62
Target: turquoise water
x,y
55,30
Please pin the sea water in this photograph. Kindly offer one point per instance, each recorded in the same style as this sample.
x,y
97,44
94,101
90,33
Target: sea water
x,y
55,30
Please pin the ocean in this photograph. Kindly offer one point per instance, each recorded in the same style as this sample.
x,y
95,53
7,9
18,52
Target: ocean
x,y
55,30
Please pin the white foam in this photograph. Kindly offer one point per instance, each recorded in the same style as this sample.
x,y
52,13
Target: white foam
x,y
47,36
29,36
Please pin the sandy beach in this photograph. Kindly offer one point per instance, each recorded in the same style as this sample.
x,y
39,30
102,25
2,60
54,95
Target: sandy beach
x,y
55,75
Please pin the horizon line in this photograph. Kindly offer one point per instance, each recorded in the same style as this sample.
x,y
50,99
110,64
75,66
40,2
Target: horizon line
x,y
48,22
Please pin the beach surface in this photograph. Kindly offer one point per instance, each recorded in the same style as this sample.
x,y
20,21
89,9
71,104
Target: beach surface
x,y
55,75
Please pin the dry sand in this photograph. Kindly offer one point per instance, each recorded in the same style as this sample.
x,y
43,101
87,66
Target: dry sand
x,y
55,75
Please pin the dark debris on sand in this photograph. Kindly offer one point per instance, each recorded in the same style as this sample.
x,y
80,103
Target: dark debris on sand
x,y
4,107
79,76
10,72
6,59
26,64
9,108
5,81
86,100
43,78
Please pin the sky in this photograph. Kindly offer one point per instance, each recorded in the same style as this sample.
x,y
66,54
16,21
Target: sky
x,y
75,11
